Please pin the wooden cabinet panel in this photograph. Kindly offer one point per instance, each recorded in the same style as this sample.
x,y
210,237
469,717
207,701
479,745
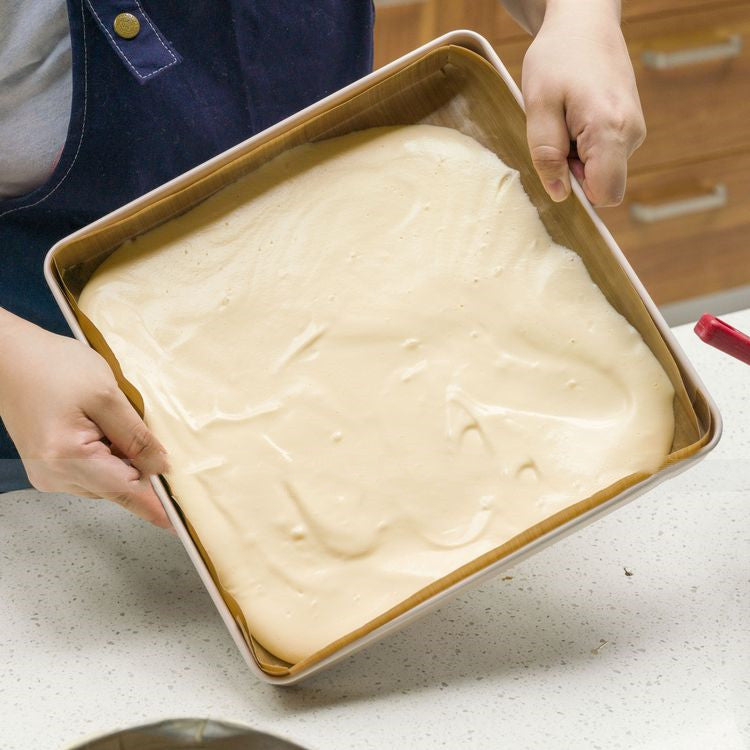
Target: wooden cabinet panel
x,y
633,8
692,108
401,27
505,27
686,230
485,16
511,52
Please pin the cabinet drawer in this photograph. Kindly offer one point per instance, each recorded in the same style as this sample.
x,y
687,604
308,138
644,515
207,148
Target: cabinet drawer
x,y
488,17
686,230
634,8
693,108
505,27
477,14
401,27
511,52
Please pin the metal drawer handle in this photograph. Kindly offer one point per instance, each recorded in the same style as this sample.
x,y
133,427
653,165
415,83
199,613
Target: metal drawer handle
x,y
732,47
649,213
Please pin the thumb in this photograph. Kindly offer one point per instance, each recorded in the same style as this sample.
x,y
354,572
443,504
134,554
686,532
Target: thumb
x,y
605,170
549,144
121,424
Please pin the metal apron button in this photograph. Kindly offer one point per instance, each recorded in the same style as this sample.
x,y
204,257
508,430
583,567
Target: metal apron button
x,y
126,25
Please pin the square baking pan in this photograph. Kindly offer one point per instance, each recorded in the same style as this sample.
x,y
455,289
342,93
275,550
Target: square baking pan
x,y
455,81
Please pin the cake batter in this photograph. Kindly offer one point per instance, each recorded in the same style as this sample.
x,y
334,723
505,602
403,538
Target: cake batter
x,y
370,364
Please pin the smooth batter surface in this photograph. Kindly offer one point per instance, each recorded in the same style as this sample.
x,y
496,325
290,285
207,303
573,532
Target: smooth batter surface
x,y
370,365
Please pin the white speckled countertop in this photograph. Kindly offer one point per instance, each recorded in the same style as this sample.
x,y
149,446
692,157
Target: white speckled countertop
x,y
104,624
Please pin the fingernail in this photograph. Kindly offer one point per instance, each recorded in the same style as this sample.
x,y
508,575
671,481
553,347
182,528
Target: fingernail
x,y
556,190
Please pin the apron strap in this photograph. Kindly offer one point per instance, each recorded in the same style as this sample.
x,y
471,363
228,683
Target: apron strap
x,y
134,37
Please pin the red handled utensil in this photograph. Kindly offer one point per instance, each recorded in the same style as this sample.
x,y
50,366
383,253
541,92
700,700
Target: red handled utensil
x,y
721,335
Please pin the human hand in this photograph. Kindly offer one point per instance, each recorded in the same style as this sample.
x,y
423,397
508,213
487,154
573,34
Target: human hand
x,y
578,85
74,429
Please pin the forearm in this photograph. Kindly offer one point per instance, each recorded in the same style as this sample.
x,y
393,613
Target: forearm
x,y
12,329
530,13
19,339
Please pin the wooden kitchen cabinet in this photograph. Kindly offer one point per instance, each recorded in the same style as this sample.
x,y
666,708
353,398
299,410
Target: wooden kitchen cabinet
x,y
685,222
639,8
693,73
686,229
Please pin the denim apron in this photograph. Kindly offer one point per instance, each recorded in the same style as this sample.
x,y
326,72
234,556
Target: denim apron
x,y
196,79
